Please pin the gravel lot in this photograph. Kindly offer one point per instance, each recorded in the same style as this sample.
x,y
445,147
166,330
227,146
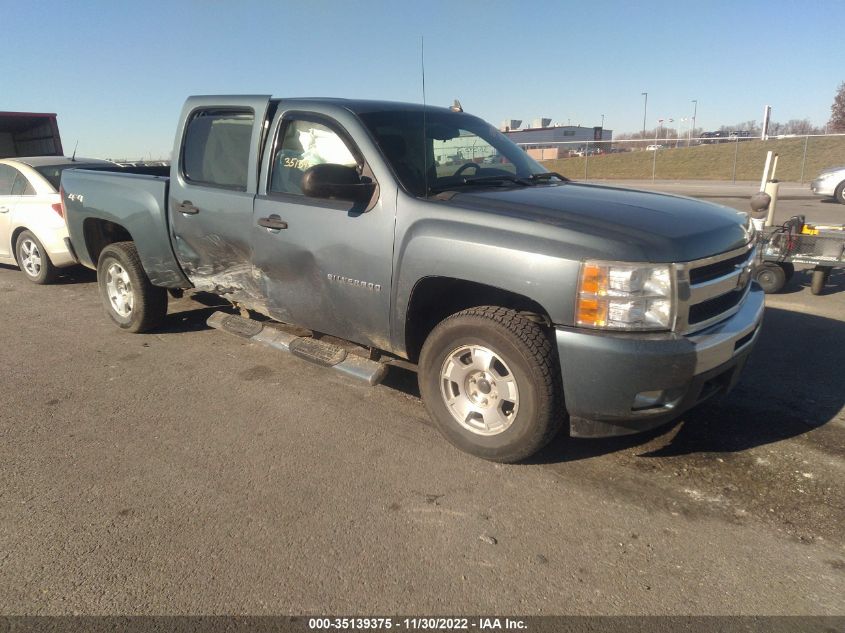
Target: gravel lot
x,y
187,471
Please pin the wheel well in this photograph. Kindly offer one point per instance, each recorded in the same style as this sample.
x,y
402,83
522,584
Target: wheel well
x,y
14,244
435,298
100,233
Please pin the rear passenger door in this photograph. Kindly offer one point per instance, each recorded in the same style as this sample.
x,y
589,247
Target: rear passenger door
x,y
7,205
212,188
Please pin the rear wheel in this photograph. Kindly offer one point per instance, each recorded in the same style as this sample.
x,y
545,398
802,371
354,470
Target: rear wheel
x,y
771,277
33,259
490,380
129,298
819,279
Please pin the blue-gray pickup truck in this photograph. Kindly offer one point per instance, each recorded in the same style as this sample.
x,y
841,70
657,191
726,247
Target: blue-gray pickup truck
x,y
359,234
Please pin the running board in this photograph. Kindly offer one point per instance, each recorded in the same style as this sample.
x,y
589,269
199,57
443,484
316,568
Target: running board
x,y
310,349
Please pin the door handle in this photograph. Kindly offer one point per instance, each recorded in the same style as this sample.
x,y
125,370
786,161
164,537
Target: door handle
x,y
187,207
273,222
4,209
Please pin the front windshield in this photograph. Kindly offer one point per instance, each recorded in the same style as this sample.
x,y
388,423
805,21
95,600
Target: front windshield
x,y
459,150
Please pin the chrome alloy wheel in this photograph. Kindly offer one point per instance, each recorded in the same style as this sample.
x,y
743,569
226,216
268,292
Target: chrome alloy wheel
x,y
119,290
479,390
30,258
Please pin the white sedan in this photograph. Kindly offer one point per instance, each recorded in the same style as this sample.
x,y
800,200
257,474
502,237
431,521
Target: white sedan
x,y
33,234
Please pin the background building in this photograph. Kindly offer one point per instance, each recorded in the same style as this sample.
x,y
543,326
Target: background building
x,y
549,142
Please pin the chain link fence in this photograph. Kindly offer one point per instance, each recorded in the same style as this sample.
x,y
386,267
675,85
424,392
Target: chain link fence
x,y
735,158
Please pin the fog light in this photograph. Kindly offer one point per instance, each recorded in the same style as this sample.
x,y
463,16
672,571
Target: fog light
x,y
648,399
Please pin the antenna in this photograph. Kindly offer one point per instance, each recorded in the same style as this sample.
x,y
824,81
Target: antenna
x,y
425,152
73,158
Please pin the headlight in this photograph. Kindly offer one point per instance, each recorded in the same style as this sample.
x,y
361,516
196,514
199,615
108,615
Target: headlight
x,y
617,296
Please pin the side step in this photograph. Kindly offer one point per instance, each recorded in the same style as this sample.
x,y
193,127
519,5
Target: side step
x,y
313,350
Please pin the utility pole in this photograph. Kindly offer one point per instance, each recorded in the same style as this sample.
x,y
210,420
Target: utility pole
x,y
645,110
694,112
602,121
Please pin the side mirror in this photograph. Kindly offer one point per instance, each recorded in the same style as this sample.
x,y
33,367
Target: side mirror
x,y
337,182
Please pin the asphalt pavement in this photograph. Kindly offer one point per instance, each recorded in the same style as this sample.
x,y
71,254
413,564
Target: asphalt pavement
x,y
186,471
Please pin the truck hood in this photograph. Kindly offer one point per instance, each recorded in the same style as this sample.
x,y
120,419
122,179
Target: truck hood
x,y
645,225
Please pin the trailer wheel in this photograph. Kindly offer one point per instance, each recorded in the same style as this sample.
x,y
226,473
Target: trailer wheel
x,y
820,276
771,277
490,380
129,298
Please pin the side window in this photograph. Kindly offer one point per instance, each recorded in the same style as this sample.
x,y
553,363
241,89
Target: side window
x,y
216,148
7,179
301,145
21,186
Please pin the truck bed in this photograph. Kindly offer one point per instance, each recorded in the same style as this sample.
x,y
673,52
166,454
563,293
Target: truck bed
x,y
130,199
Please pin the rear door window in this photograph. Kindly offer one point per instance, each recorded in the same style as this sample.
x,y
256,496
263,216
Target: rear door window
x,y
21,186
7,179
216,148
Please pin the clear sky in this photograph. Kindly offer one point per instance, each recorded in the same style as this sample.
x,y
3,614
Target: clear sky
x,y
117,72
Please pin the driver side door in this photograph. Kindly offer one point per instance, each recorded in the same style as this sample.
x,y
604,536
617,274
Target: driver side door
x,y
325,264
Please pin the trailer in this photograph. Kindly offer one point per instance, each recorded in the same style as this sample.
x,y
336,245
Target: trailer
x,y
797,242
29,134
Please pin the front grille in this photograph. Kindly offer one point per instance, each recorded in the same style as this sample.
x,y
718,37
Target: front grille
x,y
714,271
713,288
711,308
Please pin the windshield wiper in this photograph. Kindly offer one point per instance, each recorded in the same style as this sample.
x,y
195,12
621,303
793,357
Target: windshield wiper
x,y
548,176
483,180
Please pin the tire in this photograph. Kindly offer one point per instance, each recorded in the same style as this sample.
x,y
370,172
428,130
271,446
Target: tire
x,y
522,413
839,193
33,260
771,277
129,298
788,270
819,279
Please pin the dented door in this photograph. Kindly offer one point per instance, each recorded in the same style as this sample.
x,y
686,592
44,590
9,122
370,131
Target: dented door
x,y
324,264
212,189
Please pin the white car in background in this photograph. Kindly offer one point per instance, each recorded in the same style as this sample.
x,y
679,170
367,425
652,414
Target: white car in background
x,y
33,234
830,184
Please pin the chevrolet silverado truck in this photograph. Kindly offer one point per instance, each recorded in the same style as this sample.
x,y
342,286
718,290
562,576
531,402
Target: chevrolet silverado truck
x,y
359,234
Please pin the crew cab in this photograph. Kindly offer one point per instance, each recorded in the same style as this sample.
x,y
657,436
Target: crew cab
x,y
527,303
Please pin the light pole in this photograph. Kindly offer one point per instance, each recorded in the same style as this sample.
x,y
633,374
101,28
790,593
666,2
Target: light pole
x,y
645,110
694,112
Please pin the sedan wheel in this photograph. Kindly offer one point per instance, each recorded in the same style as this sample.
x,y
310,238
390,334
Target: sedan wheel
x,y
31,262
33,259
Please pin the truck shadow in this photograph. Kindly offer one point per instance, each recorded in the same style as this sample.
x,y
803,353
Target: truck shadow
x,y
793,383
190,313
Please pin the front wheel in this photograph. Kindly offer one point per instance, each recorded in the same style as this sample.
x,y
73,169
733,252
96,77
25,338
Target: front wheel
x,y
490,380
129,298
839,194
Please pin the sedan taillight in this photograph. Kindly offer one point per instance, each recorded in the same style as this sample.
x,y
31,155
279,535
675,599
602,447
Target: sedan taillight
x,y
59,207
